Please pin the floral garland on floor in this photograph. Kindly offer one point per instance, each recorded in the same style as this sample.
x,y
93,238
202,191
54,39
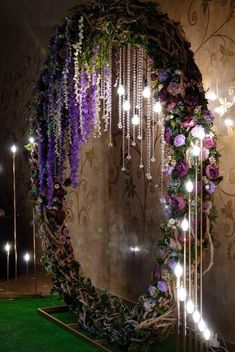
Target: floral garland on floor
x,y
62,118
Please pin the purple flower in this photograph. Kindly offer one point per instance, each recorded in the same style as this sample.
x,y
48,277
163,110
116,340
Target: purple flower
x,y
148,306
212,172
162,286
174,88
210,187
178,203
179,140
207,205
169,170
172,264
162,95
167,135
182,168
207,115
197,131
188,121
162,75
209,142
157,272
152,290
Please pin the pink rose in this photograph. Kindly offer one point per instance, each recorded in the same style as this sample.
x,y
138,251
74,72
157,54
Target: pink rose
x,y
209,142
212,172
171,106
188,122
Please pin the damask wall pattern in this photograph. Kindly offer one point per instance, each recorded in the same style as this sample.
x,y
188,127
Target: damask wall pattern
x,y
26,27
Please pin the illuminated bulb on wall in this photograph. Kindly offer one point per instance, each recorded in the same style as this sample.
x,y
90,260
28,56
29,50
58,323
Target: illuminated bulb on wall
x,y
135,120
13,149
210,95
135,249
189,186
182,294
196,316
7,248
157,107
201,325
184,225
121,90
207,334
178,270
31,140
196,150
228,122
147,92
126,105
190,307
26,257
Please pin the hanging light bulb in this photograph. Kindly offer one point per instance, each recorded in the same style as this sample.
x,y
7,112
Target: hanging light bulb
x,y
201,325
190,307
7,248
196,150
210,95
13,149
121,90
27,257
157,107
196,316
135,119
182,294
178,270
126,105
207,334
189,186
201,134
184,225
228,122
146,92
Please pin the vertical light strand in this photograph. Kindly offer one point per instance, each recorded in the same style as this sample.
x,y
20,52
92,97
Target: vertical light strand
x,y
201,225
153,139
110,85
123,112
120,86
134,95
189,261
148,125
97,129
184,302
128,136
140,102
196,245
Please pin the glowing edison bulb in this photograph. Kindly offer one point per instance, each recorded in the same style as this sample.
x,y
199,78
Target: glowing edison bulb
x,y
228,122
178,270
31,140
201,325
146,92
126,105
189,186
135,120
7,248
182,294
196,150
121,90
27,257
190,307
210,95
157,107
207,334
184,225
13,149
196,316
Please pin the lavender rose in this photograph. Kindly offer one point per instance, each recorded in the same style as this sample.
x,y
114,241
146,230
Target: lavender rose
x,y
182,168
162,286
174,88
212,172
210,187
197,131
179,140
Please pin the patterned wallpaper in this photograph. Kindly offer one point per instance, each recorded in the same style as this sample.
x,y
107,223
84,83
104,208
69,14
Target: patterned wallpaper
x,y
210,26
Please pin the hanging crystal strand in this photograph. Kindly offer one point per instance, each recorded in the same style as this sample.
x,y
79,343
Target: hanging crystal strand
x,y
162,157
128,135
123,112
109,97
148,127
120,89
97,128
153,139
134,99
140,101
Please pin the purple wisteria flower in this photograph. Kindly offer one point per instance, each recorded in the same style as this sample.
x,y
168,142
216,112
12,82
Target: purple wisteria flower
x,y
162,76
162,286
179,140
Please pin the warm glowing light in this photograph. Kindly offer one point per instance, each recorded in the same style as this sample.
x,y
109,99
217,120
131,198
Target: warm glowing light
x,y
207,334
189,186
196,150
27,257
147,92
210,95
178,270
135,120
31,140
201,134
126,105
135,249
184,225
7,248
182,294
190,307
228,122
201,325
196,316
13,149
157,107
121,90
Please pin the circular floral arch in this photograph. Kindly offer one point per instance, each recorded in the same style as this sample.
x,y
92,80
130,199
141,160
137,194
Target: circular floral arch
x,y
56,126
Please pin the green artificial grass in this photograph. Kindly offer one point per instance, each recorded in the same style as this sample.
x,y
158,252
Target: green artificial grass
x,y
22,329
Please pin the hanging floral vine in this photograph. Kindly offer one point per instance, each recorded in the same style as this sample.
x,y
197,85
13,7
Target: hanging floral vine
x,y
66,110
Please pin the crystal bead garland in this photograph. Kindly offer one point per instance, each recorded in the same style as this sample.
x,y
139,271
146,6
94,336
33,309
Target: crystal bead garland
x,y
109,94
140,67
97,128
162,156
120,90
135,118
128,108
148,95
